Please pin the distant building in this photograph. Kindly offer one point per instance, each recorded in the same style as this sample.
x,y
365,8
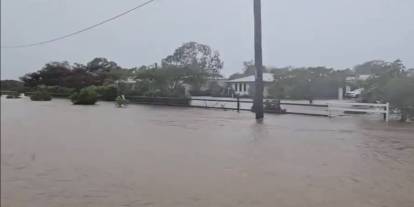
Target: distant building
x,y
245,86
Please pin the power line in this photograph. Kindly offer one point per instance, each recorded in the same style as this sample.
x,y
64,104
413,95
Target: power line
x,y
80,31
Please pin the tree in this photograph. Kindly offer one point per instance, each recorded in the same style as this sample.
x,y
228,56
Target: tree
x,y
374,87
392,84
12,85
99,71
100,64
378,67
79,78
306,83
50,75
249,68
106,71
169,81
195,55
399,92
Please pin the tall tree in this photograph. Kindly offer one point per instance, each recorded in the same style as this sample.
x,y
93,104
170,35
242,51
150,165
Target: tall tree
x,y
101,64
195,55
399,92
51,74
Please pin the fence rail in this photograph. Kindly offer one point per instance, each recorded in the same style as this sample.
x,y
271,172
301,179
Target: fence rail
x,y
357,107
220,104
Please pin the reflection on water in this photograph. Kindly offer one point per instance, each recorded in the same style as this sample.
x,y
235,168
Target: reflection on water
x,y
58,154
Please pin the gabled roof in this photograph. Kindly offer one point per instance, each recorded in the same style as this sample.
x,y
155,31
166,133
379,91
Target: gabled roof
x,y
267,77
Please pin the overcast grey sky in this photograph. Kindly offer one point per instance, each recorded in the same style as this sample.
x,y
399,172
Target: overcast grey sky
x,y
334,33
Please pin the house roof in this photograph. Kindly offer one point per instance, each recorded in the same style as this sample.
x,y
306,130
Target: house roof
x,y
267,77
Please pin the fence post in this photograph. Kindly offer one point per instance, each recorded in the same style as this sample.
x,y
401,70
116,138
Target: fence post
x,y
329,110
387,112
238,104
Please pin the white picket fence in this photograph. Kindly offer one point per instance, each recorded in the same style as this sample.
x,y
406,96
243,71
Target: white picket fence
x,y
360,107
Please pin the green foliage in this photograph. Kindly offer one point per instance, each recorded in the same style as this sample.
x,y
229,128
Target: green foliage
x,y
216,90
391,83
399,92
378,67
273,106
169,81
107,93
13,95
195,55
86,96
40,95
213,89
12,85
99,71
306,83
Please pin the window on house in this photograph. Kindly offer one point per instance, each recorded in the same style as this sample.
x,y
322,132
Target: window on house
x,y
235,86
245,87
241,87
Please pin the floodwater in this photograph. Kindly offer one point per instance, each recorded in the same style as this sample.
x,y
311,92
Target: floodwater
x,y
58,154
289,108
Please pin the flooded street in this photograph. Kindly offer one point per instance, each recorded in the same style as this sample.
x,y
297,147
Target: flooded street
x,y
54,154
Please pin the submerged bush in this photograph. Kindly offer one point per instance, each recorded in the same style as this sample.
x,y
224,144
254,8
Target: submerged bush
x,y
40,95
13,95
86,96
107,93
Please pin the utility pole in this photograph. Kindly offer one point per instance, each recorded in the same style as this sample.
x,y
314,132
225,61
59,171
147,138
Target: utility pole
x,y
258,101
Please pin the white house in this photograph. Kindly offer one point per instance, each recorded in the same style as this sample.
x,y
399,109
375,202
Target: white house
x,y
245,86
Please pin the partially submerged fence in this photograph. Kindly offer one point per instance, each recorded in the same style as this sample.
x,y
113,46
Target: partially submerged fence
x,y
236,104
360,108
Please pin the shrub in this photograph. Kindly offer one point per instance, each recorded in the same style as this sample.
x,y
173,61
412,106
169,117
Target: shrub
x,y
86,96
107,93
41,95
400,94
13,95
273,106
59,91
12,85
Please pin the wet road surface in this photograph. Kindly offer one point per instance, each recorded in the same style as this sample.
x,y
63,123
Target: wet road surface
x,y
57,154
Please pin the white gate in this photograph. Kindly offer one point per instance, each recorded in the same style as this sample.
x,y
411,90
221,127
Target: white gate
x,y
360,107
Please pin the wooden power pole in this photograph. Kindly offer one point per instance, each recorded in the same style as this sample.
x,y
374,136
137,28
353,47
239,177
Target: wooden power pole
x,y
258,101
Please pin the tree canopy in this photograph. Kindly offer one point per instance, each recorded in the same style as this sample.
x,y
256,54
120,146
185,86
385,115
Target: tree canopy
x,y
195,55
306,83
99,71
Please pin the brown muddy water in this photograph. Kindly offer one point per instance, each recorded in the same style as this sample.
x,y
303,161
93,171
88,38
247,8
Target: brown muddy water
x,y
57,154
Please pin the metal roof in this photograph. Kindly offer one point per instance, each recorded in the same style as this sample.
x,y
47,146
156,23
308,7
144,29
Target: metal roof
x,y
267,77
